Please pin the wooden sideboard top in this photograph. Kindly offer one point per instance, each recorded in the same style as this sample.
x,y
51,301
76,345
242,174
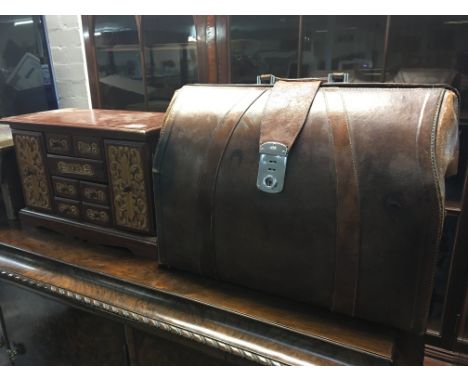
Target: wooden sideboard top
x,y
49,258
121,120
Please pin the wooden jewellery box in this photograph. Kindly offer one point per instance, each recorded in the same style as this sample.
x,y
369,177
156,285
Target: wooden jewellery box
x,y
87,173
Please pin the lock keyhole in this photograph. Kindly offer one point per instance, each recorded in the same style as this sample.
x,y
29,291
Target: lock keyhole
x,y
270,181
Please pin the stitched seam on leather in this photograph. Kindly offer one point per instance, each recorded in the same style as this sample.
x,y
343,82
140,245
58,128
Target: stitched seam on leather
x,y
359,223
215,180
159,154
418,285
332,141
336,116
420,179
436,174
219,126
437,235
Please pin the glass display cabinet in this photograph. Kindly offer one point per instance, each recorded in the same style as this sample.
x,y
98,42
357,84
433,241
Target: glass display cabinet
x,y
353,44
26,81
266,44
118,60
170,50
137,62
145,59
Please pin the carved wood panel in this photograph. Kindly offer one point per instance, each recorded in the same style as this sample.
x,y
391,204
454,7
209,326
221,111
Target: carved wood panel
x,y
78,168
129,185
30,156
94,193
67,208
66,188
96,214
87,147
58,144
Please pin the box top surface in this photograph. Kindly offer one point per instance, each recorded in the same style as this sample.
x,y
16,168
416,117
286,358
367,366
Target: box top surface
x,y
122,120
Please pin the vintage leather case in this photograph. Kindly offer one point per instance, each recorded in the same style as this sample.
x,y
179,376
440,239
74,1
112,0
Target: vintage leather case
x,y
357,224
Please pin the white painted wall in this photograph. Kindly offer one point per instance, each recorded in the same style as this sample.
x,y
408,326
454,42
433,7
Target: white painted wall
x,y
65,36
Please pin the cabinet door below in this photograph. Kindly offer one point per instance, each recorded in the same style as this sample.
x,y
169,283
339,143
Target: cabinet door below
x,y
48,332
129,181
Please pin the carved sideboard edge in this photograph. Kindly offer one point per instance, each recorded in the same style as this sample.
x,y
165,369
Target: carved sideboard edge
x,y
159,324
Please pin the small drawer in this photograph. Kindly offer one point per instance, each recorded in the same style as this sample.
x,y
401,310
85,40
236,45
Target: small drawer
x,y
96,214
59,144
67,208
66,188
86,169
87,147
94,193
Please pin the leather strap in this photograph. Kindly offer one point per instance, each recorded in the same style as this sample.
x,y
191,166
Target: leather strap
x,y
286,110
209,174
348,223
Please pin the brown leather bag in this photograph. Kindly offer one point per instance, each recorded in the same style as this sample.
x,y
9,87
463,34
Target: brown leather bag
x,y
328,194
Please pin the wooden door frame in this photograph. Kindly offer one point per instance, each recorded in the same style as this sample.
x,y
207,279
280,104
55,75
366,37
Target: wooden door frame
x,y
91,62
205,72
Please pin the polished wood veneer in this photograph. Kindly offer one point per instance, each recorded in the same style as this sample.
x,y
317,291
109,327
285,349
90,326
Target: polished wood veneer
x,y
124,123
243,323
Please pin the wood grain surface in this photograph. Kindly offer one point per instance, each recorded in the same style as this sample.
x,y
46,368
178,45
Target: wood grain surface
x,y
245,322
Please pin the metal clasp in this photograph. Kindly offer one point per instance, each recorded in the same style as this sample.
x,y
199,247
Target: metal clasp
x,y
272,167
338,77
266,79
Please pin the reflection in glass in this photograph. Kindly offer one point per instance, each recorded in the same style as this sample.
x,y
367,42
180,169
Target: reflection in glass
x,y
352,44
119,62
263,45
170,57
430,49
25,77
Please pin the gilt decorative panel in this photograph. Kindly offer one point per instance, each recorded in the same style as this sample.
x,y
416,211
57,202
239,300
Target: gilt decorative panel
x,y
30,155
128,186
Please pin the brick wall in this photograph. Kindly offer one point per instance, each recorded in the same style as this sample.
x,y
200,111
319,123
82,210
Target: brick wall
x,y
65,37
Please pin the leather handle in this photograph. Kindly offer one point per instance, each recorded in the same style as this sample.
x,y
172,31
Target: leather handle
x,y
286,110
